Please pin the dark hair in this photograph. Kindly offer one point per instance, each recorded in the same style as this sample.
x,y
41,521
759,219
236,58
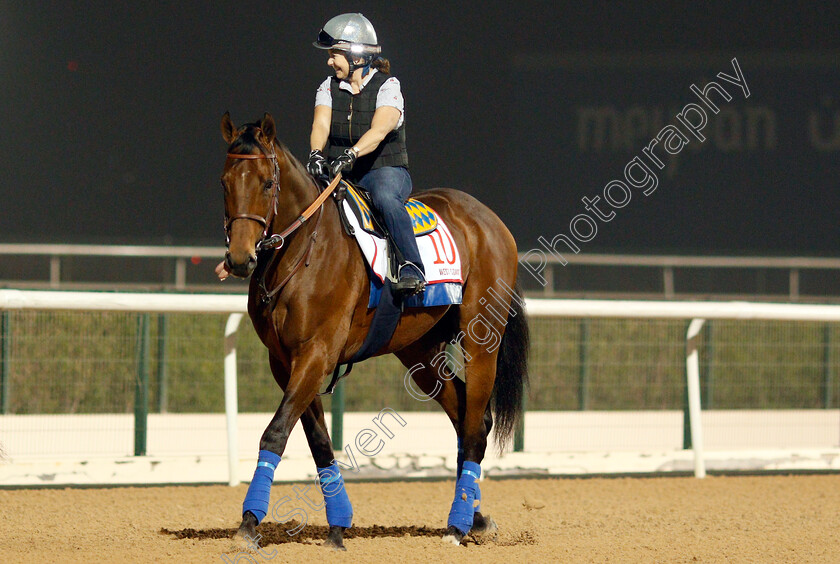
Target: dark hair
x,y
382,65
247,140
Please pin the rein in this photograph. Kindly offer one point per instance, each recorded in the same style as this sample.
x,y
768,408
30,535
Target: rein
x,y
307,213
277,240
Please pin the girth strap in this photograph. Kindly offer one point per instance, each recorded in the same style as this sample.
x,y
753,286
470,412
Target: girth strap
x,y
385,321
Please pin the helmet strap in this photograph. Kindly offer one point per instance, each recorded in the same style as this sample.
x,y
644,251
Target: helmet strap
x,y
365,64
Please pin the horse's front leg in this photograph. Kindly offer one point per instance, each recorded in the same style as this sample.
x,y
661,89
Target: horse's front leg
x,y
338,508
307,373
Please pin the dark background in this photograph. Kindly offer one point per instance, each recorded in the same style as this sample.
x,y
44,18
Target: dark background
x,y
111,114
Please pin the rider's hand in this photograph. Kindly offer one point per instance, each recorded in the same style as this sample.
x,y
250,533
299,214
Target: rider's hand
x,y
317,164
345,160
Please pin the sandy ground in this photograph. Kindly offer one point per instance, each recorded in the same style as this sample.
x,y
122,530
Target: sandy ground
x,y
718,519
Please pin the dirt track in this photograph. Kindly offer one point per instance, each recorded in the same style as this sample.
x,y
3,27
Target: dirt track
x,y
719,519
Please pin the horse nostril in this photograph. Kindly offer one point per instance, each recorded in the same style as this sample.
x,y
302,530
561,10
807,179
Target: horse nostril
x,y
228,262
252,263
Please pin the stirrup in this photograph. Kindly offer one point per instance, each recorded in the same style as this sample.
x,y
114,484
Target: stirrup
x,y
410,284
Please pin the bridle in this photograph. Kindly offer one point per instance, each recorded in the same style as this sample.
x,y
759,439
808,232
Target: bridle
x,y
266,241
276,240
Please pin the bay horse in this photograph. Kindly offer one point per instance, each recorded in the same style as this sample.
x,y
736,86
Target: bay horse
x,y
308,302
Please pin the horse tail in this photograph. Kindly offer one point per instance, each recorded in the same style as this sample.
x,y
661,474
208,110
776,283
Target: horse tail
x,y
511,371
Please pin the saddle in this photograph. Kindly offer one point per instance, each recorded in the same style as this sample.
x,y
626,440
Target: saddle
x,y
438,251
383,258
424,221
423,218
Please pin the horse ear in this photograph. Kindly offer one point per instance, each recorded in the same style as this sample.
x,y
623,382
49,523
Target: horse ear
x,y
268,127
228,129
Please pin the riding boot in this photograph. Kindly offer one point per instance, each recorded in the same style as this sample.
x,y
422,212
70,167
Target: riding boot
x,y
411,275
411,280
389,187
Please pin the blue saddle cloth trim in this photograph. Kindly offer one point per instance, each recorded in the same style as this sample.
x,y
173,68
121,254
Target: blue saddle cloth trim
x,y
442,293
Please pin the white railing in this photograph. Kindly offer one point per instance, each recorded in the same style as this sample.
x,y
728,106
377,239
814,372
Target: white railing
x,y
545,264
698,313
57,252
538,258
236,306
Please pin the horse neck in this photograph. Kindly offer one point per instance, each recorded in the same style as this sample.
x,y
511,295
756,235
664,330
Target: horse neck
x,y
297,190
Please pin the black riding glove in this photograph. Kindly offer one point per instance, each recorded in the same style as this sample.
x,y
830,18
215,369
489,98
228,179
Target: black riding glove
x,y
346,160
317,164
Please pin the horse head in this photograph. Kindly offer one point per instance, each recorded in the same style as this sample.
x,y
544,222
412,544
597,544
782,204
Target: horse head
x,y
251,184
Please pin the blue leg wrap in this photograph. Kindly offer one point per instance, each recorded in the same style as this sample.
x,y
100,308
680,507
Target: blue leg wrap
x,y
477,498
339,509
462,513
458,475
259,492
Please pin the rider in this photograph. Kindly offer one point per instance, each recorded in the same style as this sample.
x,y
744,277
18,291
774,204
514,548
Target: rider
x,y
360,112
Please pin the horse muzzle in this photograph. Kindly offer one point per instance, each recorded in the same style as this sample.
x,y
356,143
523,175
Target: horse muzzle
x,y
241,268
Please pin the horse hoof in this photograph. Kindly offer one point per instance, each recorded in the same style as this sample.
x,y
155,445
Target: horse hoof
x,y
453,536
483,526
243,542
245,537
335,538
335,546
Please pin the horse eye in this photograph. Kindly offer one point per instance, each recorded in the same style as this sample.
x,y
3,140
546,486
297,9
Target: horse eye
x,y
268,184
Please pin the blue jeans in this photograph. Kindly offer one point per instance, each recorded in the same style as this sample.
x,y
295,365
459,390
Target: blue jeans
x,y
389,188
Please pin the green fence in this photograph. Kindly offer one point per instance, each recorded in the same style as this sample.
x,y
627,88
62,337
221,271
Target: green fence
x,y
89,362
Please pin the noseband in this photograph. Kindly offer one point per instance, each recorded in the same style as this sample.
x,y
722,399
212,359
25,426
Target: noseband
x,y
265,241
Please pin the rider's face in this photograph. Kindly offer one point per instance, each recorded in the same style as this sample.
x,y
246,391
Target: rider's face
x,y
338,62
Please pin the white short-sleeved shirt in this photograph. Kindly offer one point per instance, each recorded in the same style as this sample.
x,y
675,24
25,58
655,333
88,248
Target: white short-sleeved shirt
x,y
389,94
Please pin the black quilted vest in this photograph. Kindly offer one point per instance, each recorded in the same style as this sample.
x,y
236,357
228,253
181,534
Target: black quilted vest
x,y
352,115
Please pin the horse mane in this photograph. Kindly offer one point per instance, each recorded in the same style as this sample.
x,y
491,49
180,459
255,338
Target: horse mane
x,y
247,143
247,140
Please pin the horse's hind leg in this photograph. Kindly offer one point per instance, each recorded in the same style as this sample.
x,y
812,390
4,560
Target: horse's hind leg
x,y
489,344
435,381
483,525
480,374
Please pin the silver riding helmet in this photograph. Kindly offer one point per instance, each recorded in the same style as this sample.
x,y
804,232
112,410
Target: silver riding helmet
x,y
352,33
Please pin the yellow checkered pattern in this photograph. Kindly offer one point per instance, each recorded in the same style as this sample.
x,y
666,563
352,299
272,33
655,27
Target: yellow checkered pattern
x,y
423,218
